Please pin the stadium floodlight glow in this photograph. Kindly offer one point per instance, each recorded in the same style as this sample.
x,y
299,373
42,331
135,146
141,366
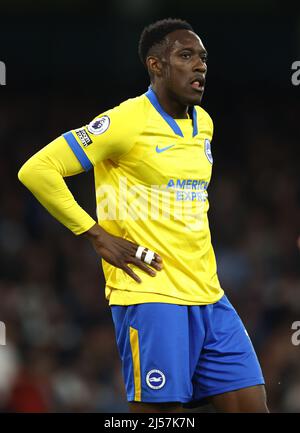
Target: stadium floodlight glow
x,y
296,74
2,74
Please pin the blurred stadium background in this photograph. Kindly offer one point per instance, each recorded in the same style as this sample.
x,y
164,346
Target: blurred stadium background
x,y
66,62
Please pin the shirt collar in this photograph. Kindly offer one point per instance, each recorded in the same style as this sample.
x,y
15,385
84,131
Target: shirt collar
x,y
170,121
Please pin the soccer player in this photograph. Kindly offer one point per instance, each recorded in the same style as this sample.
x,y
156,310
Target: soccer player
x,y
179,338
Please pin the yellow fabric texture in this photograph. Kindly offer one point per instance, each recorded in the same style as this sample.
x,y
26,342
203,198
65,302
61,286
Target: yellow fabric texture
x,y
43,175
164,179
127,149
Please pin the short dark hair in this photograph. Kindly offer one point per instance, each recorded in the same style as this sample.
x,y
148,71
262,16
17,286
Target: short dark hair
x,y
156,32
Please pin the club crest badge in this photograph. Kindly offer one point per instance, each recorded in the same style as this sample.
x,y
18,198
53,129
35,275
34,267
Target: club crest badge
x,y
155,379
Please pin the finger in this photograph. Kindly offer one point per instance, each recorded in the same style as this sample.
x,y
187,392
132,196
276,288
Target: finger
x,y
154,264
157,258
157,266
130,272
129,247
144,267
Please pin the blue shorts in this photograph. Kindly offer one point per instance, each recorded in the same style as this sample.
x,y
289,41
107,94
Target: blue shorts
x,y
176,353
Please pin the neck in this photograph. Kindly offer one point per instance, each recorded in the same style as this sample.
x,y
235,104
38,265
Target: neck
x,y
171,106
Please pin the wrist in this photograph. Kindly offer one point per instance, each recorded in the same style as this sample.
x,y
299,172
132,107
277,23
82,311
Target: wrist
x,y
95,232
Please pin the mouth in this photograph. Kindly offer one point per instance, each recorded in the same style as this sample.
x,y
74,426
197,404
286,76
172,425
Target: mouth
x,y
198,84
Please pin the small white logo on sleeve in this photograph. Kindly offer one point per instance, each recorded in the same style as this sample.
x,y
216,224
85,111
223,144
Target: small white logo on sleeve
x,y
155,379
208,150
99,125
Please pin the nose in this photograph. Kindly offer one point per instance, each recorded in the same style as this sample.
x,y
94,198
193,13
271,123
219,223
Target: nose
x,y
200,65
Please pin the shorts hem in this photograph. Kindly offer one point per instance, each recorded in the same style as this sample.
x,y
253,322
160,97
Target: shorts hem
x,y
233,387
165,399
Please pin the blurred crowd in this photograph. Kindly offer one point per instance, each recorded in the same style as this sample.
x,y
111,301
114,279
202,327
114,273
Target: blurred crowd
x,y
61,354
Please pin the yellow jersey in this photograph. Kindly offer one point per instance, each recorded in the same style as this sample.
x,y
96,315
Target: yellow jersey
x,y
151,178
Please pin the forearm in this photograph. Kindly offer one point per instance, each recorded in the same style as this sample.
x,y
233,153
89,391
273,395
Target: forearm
x,y
44,178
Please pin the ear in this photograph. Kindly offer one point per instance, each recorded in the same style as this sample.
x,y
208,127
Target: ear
x,y
154,66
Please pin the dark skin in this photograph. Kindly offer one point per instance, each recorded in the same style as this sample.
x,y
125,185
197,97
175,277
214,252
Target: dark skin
x,y
182,59
178,70
120,252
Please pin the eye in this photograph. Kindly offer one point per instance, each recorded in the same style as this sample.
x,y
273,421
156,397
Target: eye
x,y
186,55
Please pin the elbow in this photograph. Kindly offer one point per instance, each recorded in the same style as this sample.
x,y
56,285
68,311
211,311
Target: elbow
x,y
23,174
26,174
